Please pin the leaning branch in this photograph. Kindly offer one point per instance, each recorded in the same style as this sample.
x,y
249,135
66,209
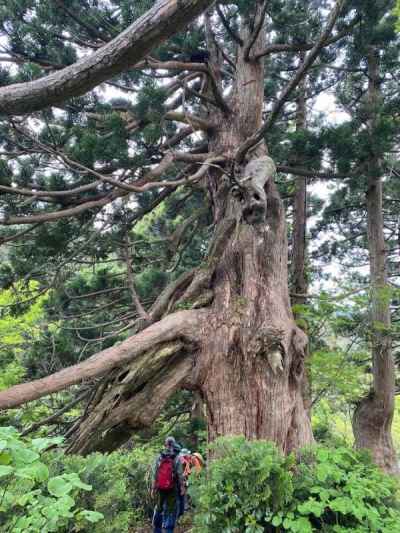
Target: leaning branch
x,y
310,173
164,19
181,324
6,220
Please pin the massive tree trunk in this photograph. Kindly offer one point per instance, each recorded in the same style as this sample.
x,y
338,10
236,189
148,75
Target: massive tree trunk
x,y
242,351
373,415
252,362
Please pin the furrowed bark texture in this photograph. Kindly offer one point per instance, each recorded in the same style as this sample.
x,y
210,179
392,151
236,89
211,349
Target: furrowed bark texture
x,y
251,365
164,19
135,395
372,420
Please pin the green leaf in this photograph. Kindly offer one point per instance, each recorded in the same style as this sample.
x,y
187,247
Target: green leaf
x,y
41,444
65,505
37,471
311,506
91,516
277,520
5,458
5,470
57,486
74,479
23,455
302,525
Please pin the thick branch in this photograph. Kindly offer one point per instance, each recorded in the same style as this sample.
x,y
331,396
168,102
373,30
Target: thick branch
x,y
259,22
172,65
164,19
57,215
310,173
183,324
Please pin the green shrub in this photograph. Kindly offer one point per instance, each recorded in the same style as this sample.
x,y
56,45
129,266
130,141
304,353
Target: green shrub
x,y
251,488
31,500
121,486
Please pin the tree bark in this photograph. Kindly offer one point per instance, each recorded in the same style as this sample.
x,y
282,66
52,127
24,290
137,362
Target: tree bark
x,y
164,19
299,279
299,244
251,365
372,420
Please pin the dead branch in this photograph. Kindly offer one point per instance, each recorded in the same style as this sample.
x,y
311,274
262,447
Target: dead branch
x,y
183,324
131,280
55,416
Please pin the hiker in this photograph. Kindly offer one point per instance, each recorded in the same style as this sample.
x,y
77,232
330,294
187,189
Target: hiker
x,y
168,486
190,461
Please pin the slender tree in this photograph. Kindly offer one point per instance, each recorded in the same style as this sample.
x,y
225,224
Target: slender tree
x,y
364,146
373,416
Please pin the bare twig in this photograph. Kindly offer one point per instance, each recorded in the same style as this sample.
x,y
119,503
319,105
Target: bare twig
x,y
52,418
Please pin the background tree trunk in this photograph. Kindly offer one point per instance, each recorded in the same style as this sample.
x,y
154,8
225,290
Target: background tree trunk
x,y
373,416
299,246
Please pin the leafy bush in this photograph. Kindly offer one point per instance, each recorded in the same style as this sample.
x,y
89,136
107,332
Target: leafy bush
x,y
121,486
30,499
251,488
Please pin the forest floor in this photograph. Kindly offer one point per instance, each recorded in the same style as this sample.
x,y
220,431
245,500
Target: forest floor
x,y
184,527
149,529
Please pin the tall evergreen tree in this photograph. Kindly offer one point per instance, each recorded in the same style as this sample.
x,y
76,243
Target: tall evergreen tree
x,y
363,148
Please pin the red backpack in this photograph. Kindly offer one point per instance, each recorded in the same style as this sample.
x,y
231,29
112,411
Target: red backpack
x,y
165,477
